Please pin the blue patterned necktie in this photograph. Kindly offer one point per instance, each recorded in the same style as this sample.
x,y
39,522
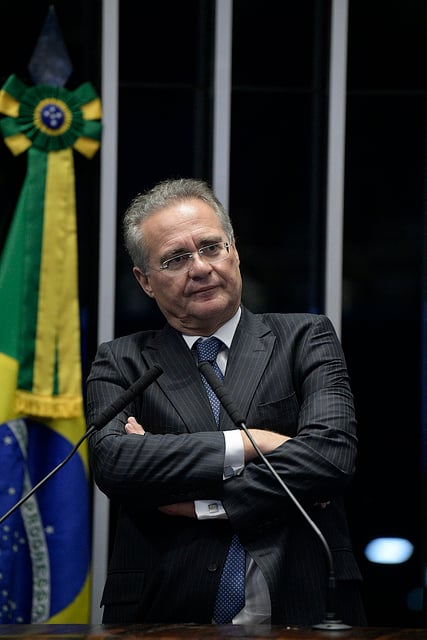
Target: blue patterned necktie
x,y
230,598
207,351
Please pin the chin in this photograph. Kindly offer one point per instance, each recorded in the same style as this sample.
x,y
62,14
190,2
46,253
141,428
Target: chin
x,y
209,306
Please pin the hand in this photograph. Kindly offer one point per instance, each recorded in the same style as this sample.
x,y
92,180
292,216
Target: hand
x,y
322,505
185,509
132,426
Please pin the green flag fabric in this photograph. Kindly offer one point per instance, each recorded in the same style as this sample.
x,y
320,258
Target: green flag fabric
x,y
45,545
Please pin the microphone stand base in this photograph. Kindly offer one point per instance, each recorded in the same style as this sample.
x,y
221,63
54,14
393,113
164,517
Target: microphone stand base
x,y
331,625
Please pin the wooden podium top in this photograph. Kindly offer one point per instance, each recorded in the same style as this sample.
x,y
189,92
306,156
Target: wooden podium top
x,y
202,632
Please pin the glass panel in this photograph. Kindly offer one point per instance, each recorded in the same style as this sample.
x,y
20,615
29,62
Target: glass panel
x,y
275,43
383,255
387,45
277,172
167,43
164,119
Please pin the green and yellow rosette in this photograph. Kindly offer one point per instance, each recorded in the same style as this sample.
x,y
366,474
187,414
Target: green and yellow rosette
x,y
40,367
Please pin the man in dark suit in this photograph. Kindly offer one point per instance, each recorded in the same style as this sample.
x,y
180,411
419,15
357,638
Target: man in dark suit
x,y
185,480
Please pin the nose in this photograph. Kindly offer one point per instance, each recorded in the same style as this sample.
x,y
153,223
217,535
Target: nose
x,y
199,266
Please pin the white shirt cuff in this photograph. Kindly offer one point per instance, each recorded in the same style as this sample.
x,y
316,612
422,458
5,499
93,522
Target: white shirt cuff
x,y
234,459
206,509
234,462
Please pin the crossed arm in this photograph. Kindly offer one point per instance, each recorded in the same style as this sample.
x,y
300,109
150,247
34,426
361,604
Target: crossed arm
x,y
267,441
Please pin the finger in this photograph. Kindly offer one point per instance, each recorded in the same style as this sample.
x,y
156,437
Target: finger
x,y
134,423
132,426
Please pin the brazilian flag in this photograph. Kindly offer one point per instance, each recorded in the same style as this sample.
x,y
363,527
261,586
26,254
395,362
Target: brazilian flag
x,y
45,544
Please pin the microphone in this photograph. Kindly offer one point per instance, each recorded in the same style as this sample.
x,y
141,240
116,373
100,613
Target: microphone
x,y
330,621
125,398
104,417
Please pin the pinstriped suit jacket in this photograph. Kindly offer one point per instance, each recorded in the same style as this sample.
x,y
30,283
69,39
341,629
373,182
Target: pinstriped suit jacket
x,y
286,372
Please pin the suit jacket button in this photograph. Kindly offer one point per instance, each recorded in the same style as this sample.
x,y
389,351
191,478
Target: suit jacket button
x,y
213,567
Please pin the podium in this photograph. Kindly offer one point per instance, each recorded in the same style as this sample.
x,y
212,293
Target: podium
x,y
200,632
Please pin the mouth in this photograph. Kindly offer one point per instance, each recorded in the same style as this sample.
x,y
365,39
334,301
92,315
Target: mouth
x,y
203,291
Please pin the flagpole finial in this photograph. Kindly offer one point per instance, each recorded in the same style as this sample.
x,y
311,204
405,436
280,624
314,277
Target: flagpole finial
x,y
50,63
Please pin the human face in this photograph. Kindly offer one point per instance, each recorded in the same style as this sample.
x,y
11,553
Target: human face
x,y
198,301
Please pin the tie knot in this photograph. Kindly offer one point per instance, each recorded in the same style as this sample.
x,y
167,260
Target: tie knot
x,y
207,350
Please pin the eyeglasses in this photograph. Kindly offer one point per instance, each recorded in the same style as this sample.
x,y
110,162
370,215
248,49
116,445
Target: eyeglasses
x,y
211,253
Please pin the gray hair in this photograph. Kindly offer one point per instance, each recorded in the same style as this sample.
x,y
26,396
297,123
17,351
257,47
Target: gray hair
x,y
159,197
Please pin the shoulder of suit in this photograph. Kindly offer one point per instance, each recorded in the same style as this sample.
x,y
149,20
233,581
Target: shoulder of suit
x,y
280,321
138,339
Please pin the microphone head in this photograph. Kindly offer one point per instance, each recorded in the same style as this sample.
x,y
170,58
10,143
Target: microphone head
x,y
127,396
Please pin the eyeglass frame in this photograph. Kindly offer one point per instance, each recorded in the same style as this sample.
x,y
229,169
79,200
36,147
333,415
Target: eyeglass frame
x,y
189,254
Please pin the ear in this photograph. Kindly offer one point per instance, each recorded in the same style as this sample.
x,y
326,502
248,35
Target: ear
x,y
144,281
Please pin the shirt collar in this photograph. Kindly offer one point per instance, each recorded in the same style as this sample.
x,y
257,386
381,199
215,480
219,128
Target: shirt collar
x,y
224,333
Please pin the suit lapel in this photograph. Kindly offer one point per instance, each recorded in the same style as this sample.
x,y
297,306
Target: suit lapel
x,y
248,357
180,381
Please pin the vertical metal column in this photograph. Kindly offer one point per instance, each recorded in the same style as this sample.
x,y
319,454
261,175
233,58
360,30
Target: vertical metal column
x,y
222,99
107,264
336,159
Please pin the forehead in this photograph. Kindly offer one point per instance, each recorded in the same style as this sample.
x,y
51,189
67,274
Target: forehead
x,y
186,221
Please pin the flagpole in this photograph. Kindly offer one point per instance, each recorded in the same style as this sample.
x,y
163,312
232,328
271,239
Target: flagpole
x,y
107,265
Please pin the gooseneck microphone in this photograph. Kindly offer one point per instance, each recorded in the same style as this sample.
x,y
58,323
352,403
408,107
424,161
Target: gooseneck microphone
x,y
103,419
330,621
125,398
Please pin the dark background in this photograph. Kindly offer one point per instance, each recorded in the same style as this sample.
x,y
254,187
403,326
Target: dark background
x,y
277,203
